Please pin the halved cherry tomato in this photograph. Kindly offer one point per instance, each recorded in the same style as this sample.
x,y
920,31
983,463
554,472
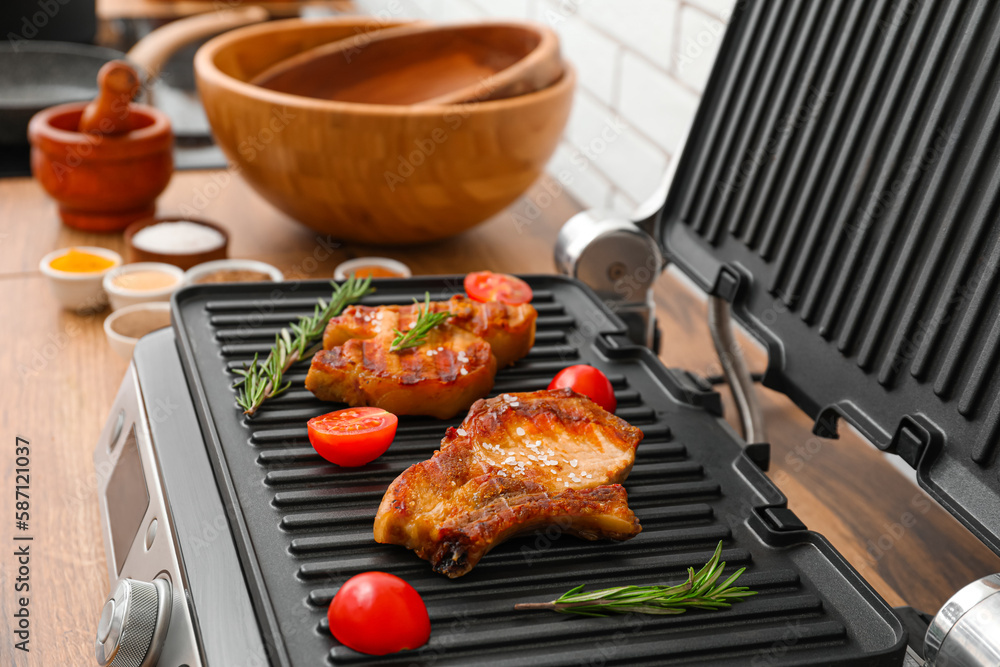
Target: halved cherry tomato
x,y
489,286
379,613
354,436
588,381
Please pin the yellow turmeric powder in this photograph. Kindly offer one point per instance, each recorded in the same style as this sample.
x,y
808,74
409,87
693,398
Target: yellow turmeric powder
x,y
77,261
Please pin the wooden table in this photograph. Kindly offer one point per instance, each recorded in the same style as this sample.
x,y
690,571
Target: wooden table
x,y
61,377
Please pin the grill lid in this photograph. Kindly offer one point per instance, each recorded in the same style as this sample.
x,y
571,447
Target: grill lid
x,y
840,186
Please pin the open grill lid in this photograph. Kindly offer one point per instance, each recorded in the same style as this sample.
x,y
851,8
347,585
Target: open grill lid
x,y
840,187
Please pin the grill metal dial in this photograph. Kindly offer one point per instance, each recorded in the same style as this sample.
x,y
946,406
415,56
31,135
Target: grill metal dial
x,y
133,624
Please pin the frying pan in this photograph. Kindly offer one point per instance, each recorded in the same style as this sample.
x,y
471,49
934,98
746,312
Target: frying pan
x,y
35,75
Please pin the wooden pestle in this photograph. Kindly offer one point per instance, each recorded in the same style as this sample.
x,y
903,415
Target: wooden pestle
x,y
109,112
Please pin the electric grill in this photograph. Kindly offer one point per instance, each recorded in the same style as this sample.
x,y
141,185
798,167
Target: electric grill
x,y
227,536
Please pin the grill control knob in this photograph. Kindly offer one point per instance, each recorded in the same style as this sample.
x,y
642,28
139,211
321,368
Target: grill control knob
x,y
133,624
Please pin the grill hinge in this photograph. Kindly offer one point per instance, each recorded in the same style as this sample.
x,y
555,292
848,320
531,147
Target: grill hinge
x,y
694,390
782,519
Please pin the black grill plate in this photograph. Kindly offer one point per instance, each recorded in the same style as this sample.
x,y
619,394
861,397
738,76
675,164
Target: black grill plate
x,y
303,526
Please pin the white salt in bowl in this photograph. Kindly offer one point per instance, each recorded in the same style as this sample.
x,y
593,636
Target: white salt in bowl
x,y
185,245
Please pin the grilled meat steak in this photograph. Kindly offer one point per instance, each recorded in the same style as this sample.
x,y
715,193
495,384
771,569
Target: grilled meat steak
x,y
510,330
517,462
441,377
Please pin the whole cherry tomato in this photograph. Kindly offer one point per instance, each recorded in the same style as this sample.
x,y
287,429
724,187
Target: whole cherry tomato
x,y
489,286
352,437
588,381
379,613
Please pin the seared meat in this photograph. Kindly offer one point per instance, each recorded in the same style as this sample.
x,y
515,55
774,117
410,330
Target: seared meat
x,y
518,461
441,377
510,330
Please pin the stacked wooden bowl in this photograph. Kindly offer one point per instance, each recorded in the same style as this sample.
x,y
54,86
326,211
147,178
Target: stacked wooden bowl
x,y
387,133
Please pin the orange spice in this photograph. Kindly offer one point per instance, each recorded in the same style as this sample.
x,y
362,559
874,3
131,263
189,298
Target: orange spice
x,y
375,271
77,261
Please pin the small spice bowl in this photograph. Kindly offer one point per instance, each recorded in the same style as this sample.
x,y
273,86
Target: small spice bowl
x,y
232,271
376,267
142,282
180,253
126,326
81,291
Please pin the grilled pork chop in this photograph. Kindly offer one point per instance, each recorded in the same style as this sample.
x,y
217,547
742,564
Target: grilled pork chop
x,y
441,377
517,462
510,330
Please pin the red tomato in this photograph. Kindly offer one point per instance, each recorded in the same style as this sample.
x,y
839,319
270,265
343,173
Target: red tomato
x,y
379,613
588,381
354,436
489,286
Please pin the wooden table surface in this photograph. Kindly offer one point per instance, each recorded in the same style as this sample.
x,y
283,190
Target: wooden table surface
x,y
61,378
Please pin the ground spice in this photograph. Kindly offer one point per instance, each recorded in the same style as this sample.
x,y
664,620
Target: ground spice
x,y
77,261
141,322
375,271
233,276
144,281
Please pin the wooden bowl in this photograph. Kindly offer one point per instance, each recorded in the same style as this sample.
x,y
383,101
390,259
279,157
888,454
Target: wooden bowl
x,y
424,64
181,260
102,183
378,174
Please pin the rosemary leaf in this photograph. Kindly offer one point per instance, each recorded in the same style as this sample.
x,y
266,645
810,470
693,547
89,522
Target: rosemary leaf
x,y
417,334
260,380
700,591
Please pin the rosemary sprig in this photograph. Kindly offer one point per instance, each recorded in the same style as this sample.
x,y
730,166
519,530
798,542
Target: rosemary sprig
x,y
263,379
417,333
700,591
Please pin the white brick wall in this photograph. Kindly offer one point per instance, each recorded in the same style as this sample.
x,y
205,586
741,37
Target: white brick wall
x,y
642,66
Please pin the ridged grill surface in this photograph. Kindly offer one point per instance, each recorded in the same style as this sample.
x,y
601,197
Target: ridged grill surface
x,y
139,626
305,526
845,157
